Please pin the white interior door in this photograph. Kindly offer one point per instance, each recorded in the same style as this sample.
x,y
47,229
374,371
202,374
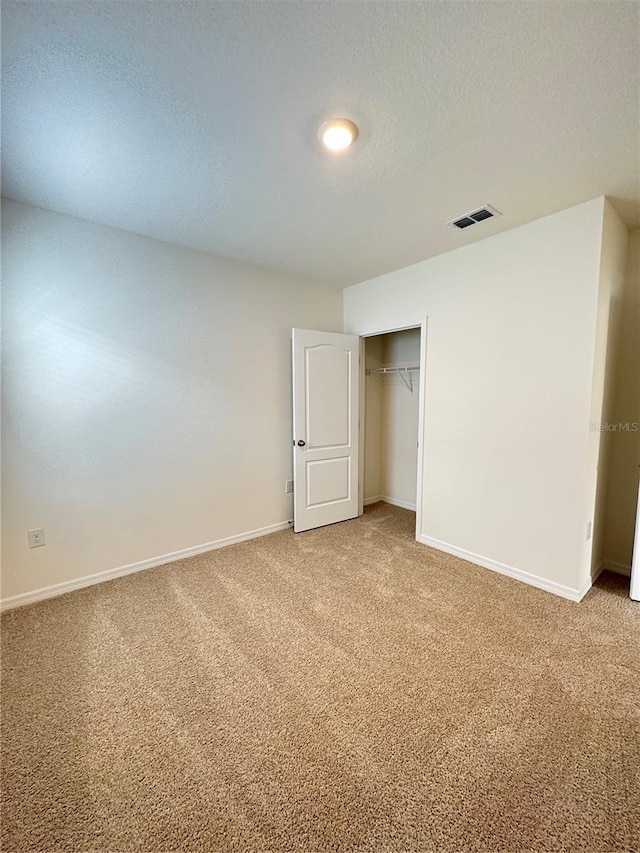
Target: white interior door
x,y
325,428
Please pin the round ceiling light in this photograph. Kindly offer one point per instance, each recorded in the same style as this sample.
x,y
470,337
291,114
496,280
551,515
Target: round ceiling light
x,y
338,134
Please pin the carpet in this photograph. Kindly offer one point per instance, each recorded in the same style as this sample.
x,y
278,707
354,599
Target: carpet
x,y
341,689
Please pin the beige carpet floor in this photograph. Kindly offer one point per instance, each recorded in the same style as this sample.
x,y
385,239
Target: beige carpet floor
x,y
342,689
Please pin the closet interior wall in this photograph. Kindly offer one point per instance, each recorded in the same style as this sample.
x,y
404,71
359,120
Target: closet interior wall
x,y
391,419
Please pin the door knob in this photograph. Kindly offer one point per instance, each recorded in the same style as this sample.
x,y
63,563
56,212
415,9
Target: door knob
x,y
301,443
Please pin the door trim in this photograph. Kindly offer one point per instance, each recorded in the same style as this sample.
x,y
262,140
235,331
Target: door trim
x,y
361,420
634,586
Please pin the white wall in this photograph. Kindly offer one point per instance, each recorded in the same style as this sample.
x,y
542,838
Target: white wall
x,y
147,396
612,275
510,354
624,446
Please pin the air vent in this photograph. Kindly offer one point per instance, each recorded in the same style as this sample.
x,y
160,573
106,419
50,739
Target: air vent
x,y
486,212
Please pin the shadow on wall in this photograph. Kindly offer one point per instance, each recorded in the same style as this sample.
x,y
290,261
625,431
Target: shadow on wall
x,y
623,428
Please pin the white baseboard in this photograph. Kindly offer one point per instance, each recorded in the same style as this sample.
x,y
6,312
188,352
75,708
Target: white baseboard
x,y
618,568
510,571
89,580
397,502
393,501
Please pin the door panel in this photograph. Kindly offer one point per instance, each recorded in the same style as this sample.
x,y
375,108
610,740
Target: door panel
x,y
325,421
328,372
327,481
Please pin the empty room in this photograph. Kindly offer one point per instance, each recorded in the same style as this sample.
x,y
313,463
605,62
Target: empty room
x,y
320,426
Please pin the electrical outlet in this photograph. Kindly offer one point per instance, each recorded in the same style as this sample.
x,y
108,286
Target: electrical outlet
x,y
588,531
36,537
288,487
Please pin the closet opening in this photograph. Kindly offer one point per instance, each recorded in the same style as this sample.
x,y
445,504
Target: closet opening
x,y
392,422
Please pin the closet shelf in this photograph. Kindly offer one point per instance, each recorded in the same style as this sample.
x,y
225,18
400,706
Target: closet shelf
x,y
394,369
400,371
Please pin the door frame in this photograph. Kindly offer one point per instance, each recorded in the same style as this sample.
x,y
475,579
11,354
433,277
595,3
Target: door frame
x,y
421,412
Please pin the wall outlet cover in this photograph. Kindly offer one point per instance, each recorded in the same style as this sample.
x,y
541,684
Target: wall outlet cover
x,y
36,537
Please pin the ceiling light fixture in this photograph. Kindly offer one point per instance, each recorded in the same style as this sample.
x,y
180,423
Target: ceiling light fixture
x,y
338,134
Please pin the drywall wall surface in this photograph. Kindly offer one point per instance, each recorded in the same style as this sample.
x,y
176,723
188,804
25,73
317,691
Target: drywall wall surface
x,y
373,419
507,388
147,396
399,441
402,348
623,467
607,333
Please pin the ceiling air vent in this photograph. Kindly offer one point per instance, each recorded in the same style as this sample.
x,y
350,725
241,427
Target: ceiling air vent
x,y
486,212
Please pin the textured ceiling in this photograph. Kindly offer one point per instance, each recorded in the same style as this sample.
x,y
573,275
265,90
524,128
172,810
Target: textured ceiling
x,y
195,122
